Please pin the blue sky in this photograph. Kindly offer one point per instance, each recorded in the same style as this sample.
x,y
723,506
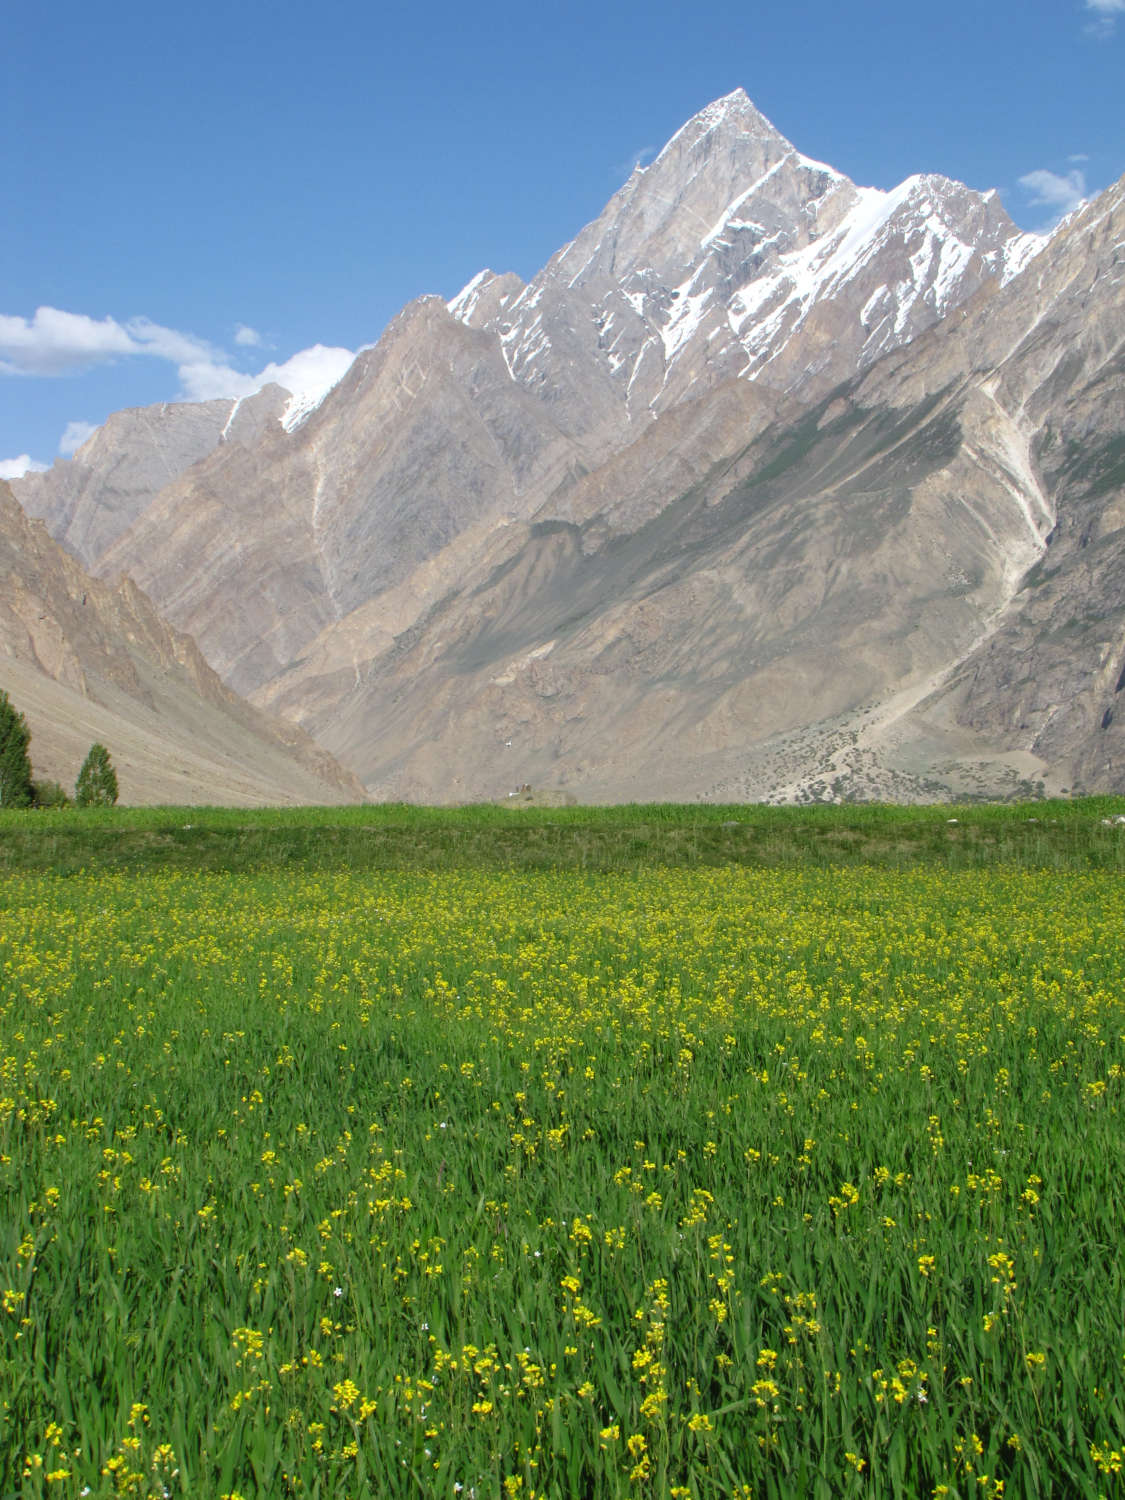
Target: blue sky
x,y
196,193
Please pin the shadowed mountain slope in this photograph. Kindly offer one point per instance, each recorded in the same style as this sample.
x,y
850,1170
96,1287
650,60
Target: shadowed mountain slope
x,y
85,661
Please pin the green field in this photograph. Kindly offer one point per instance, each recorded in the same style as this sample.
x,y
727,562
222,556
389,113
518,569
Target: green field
x,y
650,1152
1078,834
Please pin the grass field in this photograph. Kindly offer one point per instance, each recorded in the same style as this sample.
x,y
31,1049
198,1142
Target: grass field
x,y
1078,834
563,1153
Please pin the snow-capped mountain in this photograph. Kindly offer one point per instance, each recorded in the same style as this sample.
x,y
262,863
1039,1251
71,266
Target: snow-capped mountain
x,y
733,254
757,454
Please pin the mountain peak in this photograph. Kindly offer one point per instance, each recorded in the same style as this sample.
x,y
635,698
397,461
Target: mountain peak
x,y
736,102
735,106
735,114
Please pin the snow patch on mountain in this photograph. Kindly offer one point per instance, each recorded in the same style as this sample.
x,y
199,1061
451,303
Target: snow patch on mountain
x,y
690,308
464,304
767,311
711,261
1018,253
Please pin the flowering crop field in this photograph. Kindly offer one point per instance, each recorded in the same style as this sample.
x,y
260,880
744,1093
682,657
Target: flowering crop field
x,y
666,1182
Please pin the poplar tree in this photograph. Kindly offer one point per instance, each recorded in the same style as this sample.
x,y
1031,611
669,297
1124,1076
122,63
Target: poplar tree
x,y
97,780
15,763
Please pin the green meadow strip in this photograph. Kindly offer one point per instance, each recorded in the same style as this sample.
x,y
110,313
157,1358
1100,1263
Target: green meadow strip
x,y
1064,835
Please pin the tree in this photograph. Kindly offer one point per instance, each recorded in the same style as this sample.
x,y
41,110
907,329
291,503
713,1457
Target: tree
x,y
48,793
97,780
15,763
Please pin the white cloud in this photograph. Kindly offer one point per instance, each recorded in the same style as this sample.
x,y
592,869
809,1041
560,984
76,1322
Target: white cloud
x,y
250,337
1105,13
633,161
75,435
16,468
1050,190
212,380
310,370
308,375
54,342
1079,156
169,343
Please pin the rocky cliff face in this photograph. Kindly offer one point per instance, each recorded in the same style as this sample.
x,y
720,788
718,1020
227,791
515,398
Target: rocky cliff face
x,y
1046,682
88,501
85,661
766,486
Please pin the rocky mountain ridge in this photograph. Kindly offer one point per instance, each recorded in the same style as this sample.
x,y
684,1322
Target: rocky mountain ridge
x,y
733,255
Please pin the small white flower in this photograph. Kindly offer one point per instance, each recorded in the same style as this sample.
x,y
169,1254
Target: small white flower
x,y
337,1291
